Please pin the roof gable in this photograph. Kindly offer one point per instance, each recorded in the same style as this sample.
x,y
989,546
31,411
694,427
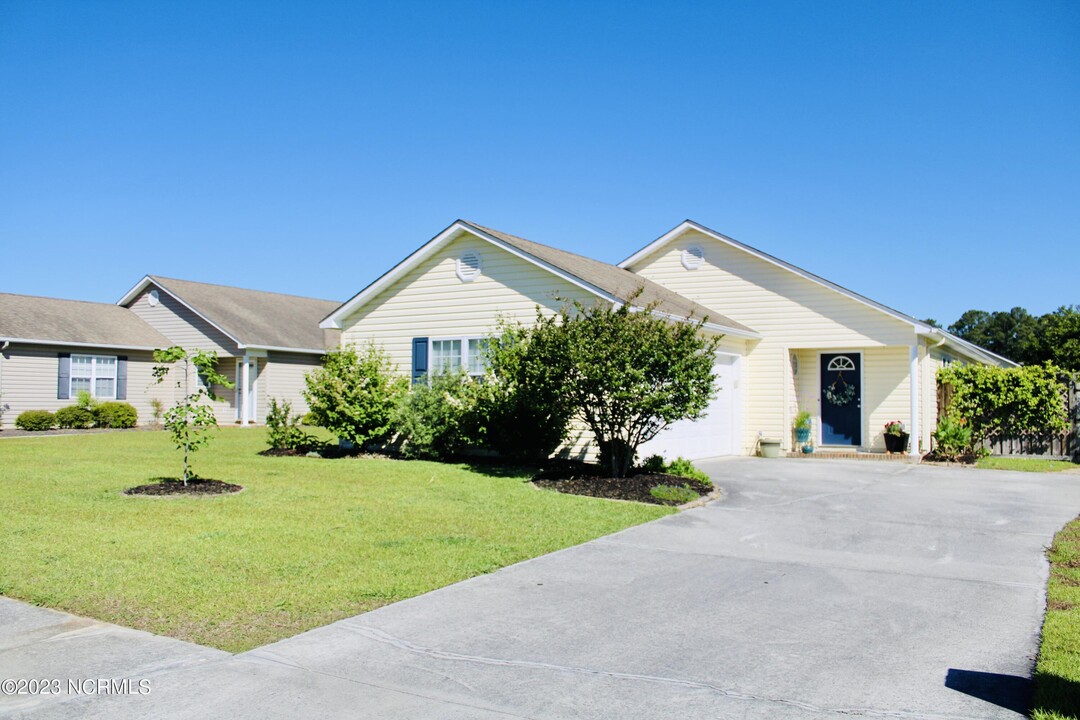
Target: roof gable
x,y
598,278
251,318
919,326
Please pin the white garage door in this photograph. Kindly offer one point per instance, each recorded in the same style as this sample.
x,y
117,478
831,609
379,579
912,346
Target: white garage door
x,y
715,434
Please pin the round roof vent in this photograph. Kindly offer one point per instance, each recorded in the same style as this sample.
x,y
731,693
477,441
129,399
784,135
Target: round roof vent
x,y
468,266
693,257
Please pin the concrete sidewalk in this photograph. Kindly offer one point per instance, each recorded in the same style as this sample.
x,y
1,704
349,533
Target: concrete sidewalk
x,y
813,589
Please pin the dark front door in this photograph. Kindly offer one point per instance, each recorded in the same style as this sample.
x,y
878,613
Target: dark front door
x,y
841,399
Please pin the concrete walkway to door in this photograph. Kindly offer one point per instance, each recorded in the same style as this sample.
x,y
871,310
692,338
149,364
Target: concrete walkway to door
x,y
813,590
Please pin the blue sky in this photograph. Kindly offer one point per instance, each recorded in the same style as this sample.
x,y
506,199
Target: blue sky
x,y
924,154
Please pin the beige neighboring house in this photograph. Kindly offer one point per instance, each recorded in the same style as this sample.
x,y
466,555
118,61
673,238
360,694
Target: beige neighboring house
x,y
266,342
791,340
50,349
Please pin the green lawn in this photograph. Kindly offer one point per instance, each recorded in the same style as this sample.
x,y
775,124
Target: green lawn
x,y
1026,464
1057,676
307,542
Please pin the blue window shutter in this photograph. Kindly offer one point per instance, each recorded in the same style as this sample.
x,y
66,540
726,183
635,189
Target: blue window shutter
x,y
419,358
63,377
121,377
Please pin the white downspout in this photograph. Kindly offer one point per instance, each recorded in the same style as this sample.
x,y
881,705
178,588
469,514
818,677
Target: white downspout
x,y
914,371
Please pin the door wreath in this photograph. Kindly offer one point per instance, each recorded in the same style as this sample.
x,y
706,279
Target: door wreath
x,y
840,395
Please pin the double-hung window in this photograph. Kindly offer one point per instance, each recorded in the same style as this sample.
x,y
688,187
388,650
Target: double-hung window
x,y
451,355
96,374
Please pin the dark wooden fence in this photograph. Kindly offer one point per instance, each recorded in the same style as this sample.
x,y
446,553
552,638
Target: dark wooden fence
x,y
1060,446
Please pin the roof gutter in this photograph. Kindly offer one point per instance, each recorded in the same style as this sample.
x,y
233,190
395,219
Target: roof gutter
x,y
71,343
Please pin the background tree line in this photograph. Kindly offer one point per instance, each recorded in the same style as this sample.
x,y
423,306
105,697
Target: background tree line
x,y
1023,337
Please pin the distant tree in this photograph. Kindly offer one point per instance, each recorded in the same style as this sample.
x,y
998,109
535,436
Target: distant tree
x,y
1058,338
932,322
1011,334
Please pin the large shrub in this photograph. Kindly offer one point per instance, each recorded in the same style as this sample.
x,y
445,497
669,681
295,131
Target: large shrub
x,y
1006,401
528,410
354,392
440,417
116,414
631,373
35,420
74,417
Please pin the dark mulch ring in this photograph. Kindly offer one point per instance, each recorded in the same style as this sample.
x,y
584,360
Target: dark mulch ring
x,y
584,480
176,486
328,451
969,459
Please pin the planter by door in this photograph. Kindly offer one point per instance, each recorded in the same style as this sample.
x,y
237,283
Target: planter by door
x,y
896,443
841,399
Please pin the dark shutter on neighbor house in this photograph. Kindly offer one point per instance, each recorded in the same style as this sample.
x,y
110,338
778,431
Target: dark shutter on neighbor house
x,y
419,358
121,377
63,377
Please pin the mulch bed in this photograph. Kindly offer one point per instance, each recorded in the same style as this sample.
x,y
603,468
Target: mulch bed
x,y
581,479
176,486
933,457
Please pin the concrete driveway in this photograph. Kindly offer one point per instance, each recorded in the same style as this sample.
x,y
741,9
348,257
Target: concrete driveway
x,y
814,589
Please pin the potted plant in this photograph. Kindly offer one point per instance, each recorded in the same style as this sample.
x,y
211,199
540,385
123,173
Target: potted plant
x,y
802,428
895,437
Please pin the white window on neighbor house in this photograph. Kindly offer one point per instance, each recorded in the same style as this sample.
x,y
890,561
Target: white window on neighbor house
x,y
96,374
455,354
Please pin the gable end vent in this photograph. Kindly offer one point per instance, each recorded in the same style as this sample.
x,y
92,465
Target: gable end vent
x,y
468,266
693,257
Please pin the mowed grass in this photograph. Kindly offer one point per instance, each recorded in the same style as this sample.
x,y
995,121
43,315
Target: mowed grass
x,y
308,541
1026,464
1057,675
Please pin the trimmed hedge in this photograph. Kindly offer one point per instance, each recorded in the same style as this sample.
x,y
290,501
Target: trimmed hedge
x,y
35,420
115,414
74,417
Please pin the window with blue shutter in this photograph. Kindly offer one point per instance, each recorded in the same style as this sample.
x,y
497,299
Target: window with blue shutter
x,y
63,377
419,358
121,377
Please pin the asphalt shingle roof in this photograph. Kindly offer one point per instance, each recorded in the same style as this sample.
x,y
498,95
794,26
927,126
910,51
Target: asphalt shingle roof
x,y
614,280
29,317
254,317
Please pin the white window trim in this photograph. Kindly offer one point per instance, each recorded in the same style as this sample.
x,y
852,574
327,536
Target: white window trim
x,y
464,339
72,393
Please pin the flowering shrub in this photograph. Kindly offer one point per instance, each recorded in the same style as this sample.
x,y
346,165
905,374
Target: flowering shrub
x,y
894,427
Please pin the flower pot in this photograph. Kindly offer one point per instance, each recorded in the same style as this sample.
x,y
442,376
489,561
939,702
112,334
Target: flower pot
x,y
770,448
802,435
807,449
896,443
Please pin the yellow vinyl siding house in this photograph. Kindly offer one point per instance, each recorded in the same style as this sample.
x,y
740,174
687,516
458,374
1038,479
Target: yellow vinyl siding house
x,y
455,288
817,338
791,341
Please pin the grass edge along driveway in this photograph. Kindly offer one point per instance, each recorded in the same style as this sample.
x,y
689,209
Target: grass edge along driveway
x,y
309,541
1057,674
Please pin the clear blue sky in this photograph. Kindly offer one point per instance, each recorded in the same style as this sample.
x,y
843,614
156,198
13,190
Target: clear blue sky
x,y
925,154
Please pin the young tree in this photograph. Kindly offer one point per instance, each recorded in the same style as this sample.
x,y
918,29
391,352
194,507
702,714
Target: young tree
x,y
632,373
190,419
353,393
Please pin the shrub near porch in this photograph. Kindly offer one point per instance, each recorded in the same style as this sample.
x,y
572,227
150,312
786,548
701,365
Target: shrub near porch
x,y
309,541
